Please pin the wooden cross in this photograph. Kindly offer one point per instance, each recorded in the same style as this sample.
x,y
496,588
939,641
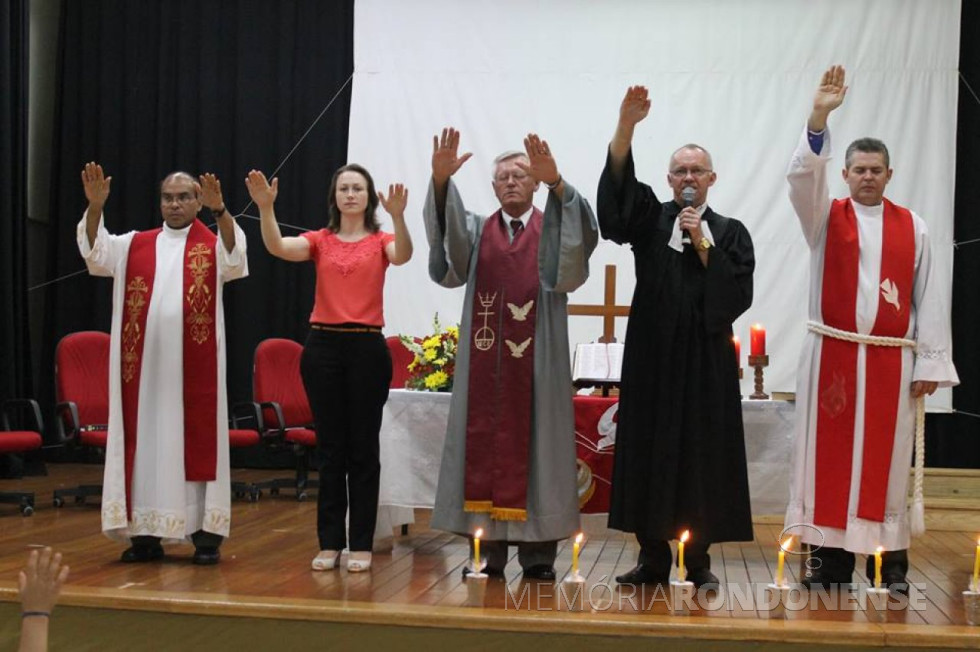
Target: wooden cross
x,y
608,310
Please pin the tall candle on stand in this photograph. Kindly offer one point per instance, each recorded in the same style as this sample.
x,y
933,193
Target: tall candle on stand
x,y
681,571
878,567
476,549
781,560
738,350
575,548
757,340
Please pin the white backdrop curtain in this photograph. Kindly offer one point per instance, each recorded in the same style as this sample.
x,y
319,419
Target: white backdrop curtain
x,y
735,77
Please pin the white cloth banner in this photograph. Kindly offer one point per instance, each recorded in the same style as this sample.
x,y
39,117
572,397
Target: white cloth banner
x,y
735,77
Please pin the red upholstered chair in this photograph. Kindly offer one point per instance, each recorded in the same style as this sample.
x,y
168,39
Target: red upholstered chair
x,y
82,390
288,420
400,359
245,431
20,441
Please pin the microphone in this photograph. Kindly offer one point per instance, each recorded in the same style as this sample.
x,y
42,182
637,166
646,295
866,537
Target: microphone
x,y
687,195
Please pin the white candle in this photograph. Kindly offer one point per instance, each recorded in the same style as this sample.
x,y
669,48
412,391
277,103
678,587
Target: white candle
x,y
476,549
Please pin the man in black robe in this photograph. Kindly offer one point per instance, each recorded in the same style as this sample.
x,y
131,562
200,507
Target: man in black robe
x,y
680,449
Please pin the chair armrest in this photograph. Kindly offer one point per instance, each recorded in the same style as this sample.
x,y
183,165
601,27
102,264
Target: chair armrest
x,y
22,405
247,411
66,416
280,429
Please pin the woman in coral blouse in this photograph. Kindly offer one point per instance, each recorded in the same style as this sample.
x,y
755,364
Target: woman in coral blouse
x,y
346,366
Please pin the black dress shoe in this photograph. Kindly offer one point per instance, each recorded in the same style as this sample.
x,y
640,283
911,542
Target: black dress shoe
x,y
703,577
540,572
818,578
487,570
207,555
140,554
896,583
643,574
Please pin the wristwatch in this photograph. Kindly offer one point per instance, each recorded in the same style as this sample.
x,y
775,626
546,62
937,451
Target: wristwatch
x,y
704,244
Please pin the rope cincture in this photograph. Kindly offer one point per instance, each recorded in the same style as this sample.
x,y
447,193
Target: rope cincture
x,y
917,517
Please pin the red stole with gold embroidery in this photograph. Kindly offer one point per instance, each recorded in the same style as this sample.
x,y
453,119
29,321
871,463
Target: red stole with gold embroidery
x,y
200,348
501,380
837,385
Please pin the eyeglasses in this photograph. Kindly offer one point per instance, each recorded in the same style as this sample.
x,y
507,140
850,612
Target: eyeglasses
x,y
519,177
182,198
680,173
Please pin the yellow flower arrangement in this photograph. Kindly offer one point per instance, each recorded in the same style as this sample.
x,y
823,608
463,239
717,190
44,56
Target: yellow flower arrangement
x,y
434,364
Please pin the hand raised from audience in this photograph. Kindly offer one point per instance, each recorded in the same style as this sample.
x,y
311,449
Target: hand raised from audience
x,y
396,200
445,158
40,581
260,190
96,184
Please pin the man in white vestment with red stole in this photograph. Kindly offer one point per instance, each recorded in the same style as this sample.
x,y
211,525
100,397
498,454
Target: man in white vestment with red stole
x,y
879,340
167,469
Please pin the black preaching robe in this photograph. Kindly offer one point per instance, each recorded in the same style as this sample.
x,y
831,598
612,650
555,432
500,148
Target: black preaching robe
x,y
680,444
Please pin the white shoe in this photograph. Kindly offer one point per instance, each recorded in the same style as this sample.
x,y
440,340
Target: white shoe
x,y
326,560
359,561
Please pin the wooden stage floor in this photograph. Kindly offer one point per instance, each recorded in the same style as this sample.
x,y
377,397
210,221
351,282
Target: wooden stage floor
x,y
265,573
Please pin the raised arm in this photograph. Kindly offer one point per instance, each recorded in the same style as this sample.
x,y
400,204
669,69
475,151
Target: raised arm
x,y
807,174
542,166
96,186
264,194
400,250
634,108
445,163
210,192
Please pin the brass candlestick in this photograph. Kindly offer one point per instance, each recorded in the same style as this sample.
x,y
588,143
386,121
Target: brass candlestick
x,y
759,362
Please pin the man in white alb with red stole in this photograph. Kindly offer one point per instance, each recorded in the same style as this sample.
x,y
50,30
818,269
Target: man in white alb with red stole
x,y
879,340
167,469
508,466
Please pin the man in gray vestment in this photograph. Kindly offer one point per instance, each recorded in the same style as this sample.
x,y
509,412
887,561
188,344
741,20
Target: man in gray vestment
x,y
508,466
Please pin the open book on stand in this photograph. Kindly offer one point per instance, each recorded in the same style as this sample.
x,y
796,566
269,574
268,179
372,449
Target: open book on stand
x,y
598,361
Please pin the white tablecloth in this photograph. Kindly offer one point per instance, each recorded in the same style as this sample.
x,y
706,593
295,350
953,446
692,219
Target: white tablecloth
x,y
414,428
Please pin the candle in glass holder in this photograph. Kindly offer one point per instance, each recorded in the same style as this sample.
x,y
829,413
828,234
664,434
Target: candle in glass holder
x,y
878,567
738,350
757,340
681,571
575,549
476,549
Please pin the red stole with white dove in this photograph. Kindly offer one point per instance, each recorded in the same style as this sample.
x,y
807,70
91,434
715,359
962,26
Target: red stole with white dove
x,y
837,385
200,348
501,370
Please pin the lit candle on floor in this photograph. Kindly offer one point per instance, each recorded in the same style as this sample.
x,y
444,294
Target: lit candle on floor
x,y
878,567
781,560
681,571
976,569
757,340
476,549
575,549
738,350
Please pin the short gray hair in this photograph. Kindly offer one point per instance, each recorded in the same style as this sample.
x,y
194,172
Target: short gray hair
x,y
505,156
868,146
691,146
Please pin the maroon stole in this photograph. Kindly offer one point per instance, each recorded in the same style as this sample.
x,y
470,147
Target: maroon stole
x,y
501,385
837,387
200,349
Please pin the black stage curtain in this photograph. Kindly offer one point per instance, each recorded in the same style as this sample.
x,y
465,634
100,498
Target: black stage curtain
x,y
15,378
150,86
952,440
